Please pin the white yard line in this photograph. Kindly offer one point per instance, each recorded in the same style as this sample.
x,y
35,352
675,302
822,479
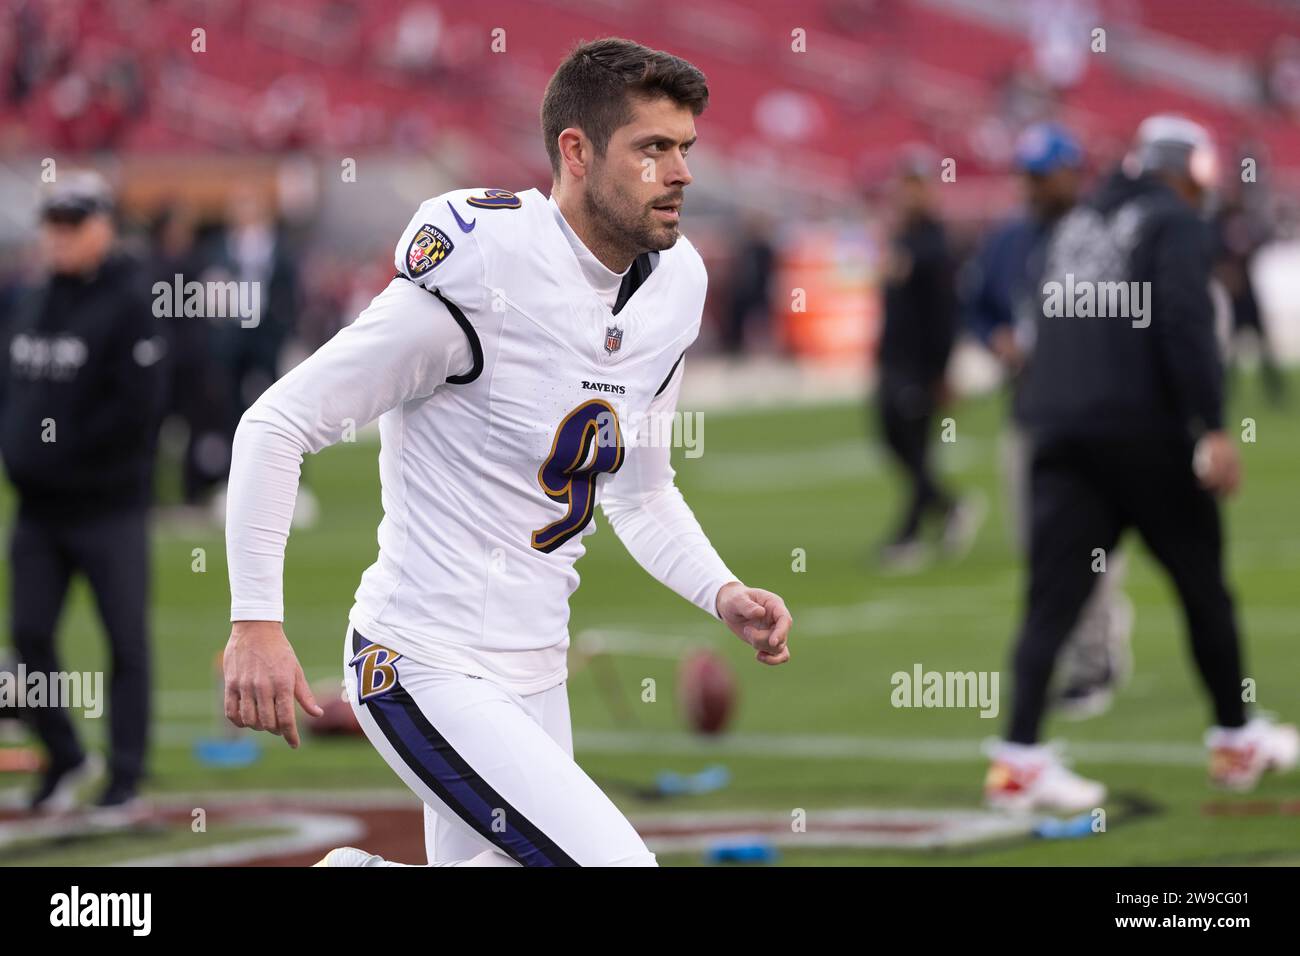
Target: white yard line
x,y
848,747
182,735
308,831
858,827
816,465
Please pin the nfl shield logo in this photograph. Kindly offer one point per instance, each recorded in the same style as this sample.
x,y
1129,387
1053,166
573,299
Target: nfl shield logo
x,y
613,339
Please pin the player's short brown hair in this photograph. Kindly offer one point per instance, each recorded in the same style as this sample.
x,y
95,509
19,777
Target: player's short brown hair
x,y
594,88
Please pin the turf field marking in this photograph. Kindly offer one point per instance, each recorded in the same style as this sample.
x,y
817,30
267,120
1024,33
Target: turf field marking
x,y
814,466
846,747
832,620
308,831
317,821
182,735
830,828
764,471
811,746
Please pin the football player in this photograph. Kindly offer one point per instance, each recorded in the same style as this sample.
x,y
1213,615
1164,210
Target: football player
x,y
512,363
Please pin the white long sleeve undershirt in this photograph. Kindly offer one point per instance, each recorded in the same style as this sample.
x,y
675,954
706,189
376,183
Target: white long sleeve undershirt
x,y
401,348
652,519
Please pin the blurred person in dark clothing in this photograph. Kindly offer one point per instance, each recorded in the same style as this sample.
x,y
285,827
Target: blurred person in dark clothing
x,y
79,409
1123,400
751,284
253,251
1240,232
1000,299
1000,295
920,325
197,390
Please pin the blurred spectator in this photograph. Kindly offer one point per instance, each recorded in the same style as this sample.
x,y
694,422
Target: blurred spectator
x,y
81,393
416,40
21,49
1001,298
93,103
1060,31
920,326
1023,96
1000,284
253,251
1240,231
788,116
1281,76
1128,431
290,114
751,285
197,392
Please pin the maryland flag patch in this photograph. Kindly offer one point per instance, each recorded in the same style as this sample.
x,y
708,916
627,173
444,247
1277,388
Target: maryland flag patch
x,y
429,246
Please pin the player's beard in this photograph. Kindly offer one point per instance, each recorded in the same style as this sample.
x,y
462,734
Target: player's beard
x,y
624,222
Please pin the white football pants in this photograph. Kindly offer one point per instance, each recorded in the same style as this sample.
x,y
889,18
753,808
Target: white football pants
x,y
494,769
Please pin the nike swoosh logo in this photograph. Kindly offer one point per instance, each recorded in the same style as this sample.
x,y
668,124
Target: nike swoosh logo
x,y
464,226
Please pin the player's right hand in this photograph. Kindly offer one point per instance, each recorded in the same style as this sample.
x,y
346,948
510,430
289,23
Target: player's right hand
x,y
1004,345
263,678
759,618
1217,464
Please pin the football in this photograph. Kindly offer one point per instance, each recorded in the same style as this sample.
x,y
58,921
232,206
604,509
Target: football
x,y
338,719
706,692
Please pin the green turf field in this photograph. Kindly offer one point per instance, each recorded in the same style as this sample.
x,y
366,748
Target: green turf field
x,y
820,732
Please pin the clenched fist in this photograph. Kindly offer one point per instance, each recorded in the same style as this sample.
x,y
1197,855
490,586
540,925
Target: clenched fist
x,y
759,618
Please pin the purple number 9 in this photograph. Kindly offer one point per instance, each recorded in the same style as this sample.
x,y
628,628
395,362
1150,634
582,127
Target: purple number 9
x,y
587,443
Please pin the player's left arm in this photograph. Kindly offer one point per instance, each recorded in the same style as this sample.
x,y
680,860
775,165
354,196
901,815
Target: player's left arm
x,y
648,513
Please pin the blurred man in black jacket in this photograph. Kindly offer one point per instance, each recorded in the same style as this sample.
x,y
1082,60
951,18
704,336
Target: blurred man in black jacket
x,y
197,391
920,310
1001,301
253,251
1123,402
82,381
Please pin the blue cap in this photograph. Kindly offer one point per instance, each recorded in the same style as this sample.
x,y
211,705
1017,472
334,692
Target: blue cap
x,y
1046,147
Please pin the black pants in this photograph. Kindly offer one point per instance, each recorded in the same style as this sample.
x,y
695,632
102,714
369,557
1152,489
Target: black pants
x,y
1085,493
199,395
111,550
249,361
906,410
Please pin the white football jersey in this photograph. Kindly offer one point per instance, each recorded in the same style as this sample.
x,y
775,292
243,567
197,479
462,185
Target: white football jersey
x,y
490,483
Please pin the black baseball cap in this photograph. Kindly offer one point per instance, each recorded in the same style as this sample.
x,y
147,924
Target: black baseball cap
x,y
74,197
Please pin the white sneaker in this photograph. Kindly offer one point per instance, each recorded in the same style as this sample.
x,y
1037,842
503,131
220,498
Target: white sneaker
x,y
904,557
1027,779
962,524
350,856
1239,756
60,793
